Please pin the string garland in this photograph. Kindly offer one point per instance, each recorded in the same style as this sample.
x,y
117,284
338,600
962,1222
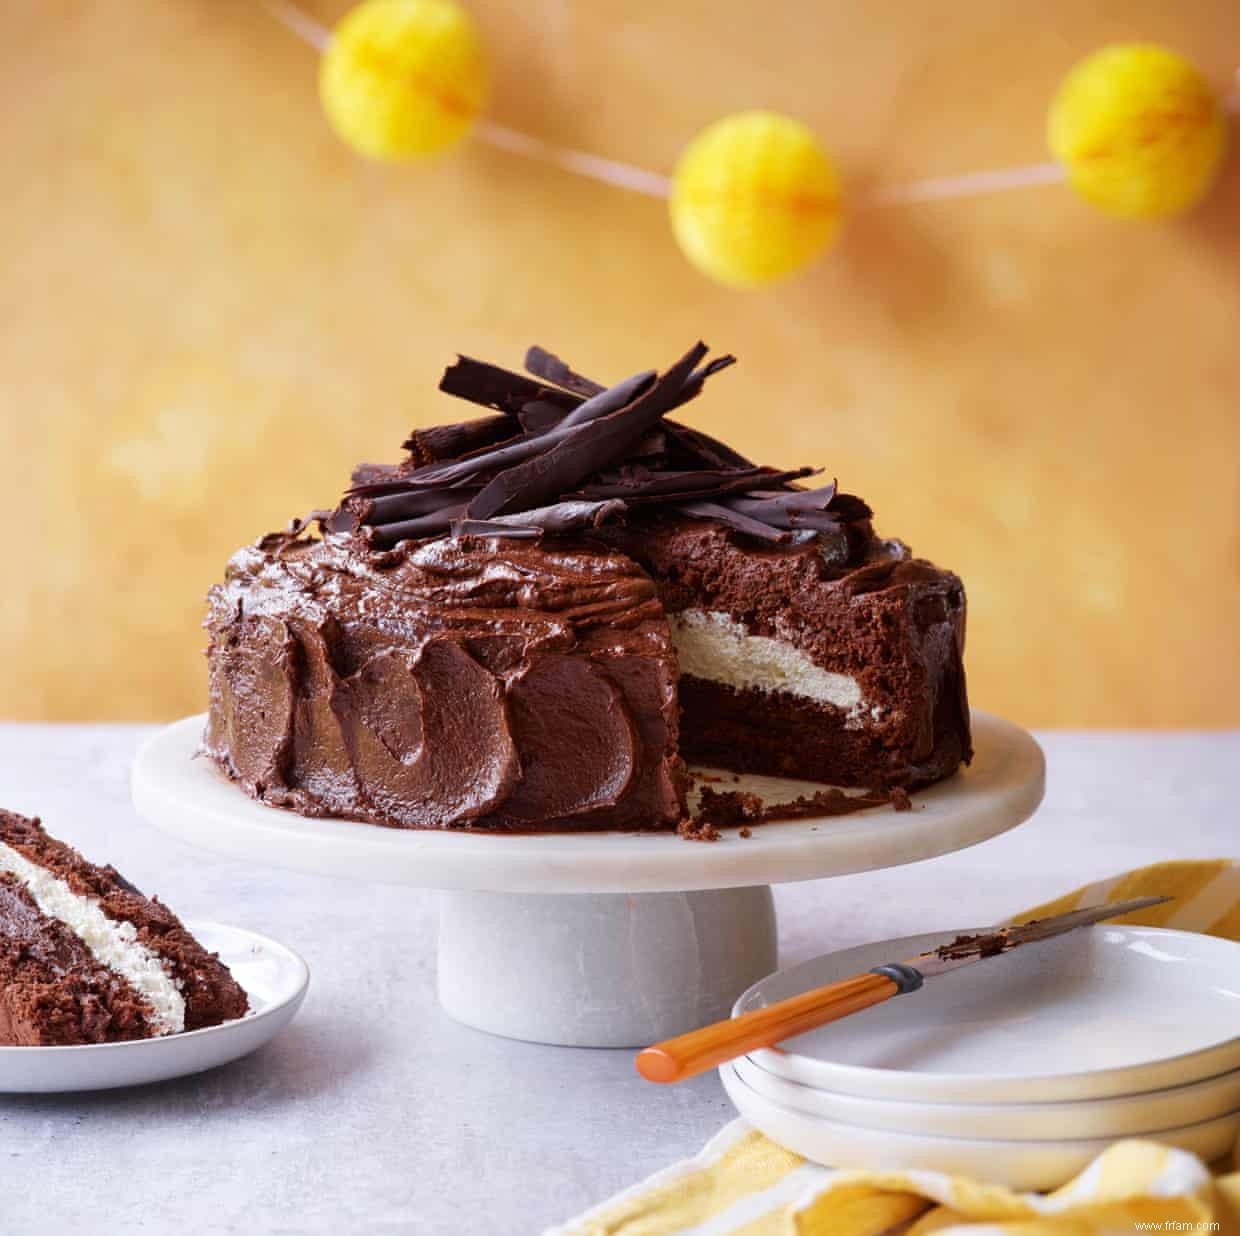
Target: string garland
x,y
1134,129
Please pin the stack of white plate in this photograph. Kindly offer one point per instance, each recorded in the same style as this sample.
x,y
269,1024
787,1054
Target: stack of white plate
x,y
1019,1069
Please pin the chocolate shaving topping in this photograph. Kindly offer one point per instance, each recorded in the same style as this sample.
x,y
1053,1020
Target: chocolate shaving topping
x,y
709,451
586,445
539,416
639,483
449,441
563,454
406,504
375,474
734,519
612,400
497,388
559,517
542,364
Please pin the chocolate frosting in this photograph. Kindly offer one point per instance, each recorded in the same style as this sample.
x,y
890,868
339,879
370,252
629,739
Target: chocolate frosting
x,y
446,683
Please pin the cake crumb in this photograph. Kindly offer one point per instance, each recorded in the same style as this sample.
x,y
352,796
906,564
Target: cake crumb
x,y
729,808
694,828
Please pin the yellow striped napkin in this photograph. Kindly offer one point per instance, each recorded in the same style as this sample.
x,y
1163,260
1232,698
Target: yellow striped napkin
x,y
743,1184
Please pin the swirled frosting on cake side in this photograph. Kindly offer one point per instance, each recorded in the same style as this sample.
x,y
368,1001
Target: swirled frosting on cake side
x,y
447,683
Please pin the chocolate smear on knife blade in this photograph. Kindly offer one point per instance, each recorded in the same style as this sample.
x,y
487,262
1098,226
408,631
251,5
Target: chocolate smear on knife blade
x,y
989,944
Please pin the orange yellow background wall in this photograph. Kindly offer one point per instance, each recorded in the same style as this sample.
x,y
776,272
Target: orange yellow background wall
x,y
211,309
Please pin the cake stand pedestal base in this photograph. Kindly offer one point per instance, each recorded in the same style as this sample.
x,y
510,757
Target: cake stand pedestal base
x,y
601,969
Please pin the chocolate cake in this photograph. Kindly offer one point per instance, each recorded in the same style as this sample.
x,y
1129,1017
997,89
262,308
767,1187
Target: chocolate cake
x,y
86,958
536,617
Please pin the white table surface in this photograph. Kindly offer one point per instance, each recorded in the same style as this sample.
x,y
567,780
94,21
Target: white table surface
x,y
375,1113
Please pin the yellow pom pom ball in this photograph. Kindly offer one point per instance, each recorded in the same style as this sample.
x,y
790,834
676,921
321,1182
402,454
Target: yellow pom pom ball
x,y
402,79
1139,131
754,198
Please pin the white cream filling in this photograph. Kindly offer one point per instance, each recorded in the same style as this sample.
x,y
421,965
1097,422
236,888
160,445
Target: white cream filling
x,y
710,645
111,943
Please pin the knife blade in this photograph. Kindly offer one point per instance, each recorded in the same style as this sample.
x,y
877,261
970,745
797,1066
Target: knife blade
x,y
692,1053
964,950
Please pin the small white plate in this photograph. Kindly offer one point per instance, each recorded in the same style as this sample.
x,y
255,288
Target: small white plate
x,y
1023,1165
1129,1116
274,977
1097,1013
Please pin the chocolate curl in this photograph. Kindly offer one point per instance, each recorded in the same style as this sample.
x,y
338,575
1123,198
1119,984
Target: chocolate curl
x,y
524,447
497,388
698,379
801,499
450,441
582,449
850,508
387,535
735,520
345,518
648,486
701,448
610,400
367,474
793,508
559,517
539,416
780,517
488,527
389,508
455,471
549,367
323,519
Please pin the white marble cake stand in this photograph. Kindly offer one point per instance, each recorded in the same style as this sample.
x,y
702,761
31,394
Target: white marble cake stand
x,y
597,939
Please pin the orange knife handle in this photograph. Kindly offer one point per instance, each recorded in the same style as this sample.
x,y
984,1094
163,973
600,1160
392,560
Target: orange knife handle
x,y
690,1054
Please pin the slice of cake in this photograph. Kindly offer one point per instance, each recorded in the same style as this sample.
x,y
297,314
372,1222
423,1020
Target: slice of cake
x,y
529,622
86,958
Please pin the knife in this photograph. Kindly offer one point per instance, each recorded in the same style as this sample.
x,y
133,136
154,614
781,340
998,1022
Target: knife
x,y
690,1054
